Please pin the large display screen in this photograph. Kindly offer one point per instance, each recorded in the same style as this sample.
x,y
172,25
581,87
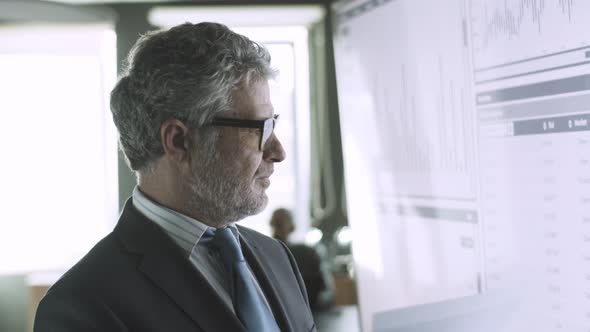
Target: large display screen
x,y
465,127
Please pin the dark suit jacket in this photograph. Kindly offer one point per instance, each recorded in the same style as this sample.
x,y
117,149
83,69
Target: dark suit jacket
x,y
137,279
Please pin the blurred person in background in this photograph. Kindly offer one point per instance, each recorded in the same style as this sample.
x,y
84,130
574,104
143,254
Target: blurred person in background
x,y
315,272
196,123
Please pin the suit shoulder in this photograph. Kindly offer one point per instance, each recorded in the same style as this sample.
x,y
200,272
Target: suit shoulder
x,y
104,262
253,235
81,299
269,247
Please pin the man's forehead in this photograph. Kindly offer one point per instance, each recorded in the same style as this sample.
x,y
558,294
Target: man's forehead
x,y
252,102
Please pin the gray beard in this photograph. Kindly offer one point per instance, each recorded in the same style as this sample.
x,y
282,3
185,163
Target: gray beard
x,y
218,196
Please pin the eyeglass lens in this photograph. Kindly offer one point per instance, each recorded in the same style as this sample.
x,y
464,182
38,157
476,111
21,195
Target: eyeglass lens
x,y
269,125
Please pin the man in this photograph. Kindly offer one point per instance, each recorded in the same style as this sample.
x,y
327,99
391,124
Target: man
x,y
196,125
317,278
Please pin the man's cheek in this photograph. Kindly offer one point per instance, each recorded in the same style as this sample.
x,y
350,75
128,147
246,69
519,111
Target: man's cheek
x,y
248,138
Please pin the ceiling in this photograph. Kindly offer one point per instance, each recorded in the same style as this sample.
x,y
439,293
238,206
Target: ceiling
x,y
185,2
298,11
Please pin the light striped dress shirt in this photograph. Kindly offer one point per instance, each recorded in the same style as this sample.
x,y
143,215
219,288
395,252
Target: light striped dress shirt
x,y
187,232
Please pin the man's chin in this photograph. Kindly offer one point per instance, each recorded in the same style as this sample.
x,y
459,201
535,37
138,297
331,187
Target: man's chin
x,y
262,202
251,208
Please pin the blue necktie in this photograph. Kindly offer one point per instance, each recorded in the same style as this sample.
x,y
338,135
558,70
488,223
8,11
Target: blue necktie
x,y
248,302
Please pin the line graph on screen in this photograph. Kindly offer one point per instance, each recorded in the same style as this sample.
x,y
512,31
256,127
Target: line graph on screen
x,y
513,30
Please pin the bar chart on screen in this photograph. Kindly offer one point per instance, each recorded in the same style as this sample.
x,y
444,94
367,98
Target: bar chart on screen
x,y
422,120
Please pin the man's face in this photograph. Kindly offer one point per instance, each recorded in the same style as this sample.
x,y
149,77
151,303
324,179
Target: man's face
x,y
231,177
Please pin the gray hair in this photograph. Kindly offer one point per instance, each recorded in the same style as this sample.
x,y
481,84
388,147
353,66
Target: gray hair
x,y
189,72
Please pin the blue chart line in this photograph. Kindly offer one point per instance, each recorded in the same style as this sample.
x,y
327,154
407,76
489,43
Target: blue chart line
x,y
506,21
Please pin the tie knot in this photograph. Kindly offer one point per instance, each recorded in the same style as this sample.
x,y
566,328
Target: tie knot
x,y
227,244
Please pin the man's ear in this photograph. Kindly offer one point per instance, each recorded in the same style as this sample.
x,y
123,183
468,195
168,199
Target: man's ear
x,y
175,140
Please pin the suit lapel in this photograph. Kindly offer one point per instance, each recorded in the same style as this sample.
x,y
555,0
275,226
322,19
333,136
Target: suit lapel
x,y
164,263
267,280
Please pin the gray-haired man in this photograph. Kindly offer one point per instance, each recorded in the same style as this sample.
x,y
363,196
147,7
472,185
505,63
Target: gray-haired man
x,y
196,125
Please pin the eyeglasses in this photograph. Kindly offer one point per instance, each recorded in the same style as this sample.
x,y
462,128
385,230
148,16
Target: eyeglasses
x,y
266,126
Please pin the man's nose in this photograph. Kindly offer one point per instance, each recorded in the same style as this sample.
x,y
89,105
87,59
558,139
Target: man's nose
x,y
273,150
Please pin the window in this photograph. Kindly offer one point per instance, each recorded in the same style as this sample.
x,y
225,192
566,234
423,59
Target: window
x,y
59,165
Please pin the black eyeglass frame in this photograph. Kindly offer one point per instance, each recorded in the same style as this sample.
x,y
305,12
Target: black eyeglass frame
x,y
265,126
